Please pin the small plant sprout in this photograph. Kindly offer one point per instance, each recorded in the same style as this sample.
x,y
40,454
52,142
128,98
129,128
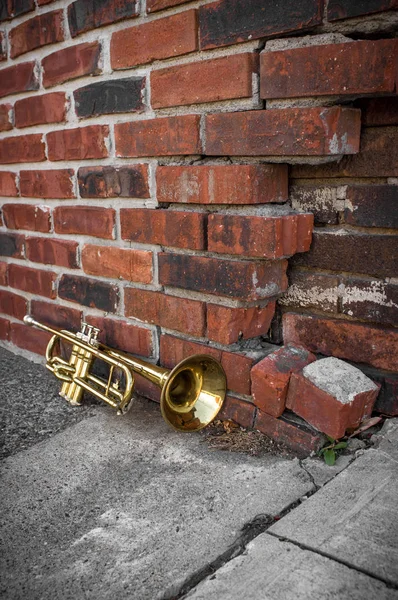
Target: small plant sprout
x,y
330,450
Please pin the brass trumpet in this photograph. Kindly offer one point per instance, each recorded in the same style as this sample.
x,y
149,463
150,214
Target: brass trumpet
x,y
191,394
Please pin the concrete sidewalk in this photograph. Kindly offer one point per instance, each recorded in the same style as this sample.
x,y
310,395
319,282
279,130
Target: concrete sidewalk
x,y
99,506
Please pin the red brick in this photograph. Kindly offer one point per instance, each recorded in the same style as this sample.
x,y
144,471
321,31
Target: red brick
x,y
27,216
29,338
55,315
55,183
49,251
3,273
41,283
118,263
3,49
154,5
37,32
305,227
312,290
205,81
18,78
222,184
5,122
71,63
237,369
114,182
346,9
85,220
243,280
159,137
238,410
170,312
355,342
47,108
4,329
146,388
123,335
378,111
78,144
83,18
22,148
284,132
372,206
270,377
12,304
295,434
11,244
378,158
89,292
8,185
364,67
178,229
370,299
164,38
227,325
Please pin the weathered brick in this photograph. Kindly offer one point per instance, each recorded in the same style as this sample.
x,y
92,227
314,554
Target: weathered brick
x,y
85,220
372,206
118,263
34,281
3,49
270,377
14,8
123,335
205,81
89,292
324,201
49,251
378,157
53,314
11,244
83,17
354,252
237,368
3,273
243,280
22,148
47,108
37,32
312,290
387,400
284,132
373,300
112,96
27,216
238,410
170,312
163,38
5,121
154,5
378,111
222,184
305,228
8,184
114,182
78,144
356,342
13,304
71,63
364,67
230,21
346,9
178,229
54,183
4,329
159,137
227,325
28,338
18,78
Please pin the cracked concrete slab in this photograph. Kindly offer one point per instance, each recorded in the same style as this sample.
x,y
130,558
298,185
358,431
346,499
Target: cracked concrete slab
x,y
271,569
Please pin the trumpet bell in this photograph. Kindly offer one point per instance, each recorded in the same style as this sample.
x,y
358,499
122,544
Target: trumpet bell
x,y
193,393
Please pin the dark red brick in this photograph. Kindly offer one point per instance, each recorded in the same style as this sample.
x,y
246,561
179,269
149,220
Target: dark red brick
x,y
47,108
378,111
364,67
29,338
123,335
54,183
71,63
118,263
346,9
243,280
178,229
14,8
159,137
324,201
4,329
5,122
83,17
370,299
3,49
8,184
78,144
3,273
170,312
156,40
112,96
27,216
89,292
22,148
387,400
154,5
372,206
284,132
238,410
49,251
13,304
222,184
356,342
11,244
18,78
237,369
34,281
312,290
85,220
227,325
55,315
37,32
114,182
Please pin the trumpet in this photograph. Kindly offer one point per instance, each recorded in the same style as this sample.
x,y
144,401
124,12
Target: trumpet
x,y
192,393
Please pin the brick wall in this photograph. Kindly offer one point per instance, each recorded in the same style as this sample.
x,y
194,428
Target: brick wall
x,y
163,164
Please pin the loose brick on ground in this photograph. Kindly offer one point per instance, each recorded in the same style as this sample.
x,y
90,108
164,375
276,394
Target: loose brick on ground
x,y
227,325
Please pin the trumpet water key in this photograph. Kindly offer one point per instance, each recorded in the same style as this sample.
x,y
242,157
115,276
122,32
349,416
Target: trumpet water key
x,y
192,393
